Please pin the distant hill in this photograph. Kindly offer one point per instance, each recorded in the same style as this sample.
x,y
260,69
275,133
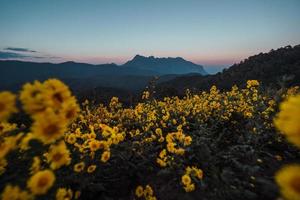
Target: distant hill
x,y
133,75
14,73
174,75
272,68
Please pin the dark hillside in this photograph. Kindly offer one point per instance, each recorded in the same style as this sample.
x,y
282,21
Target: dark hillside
x,y
272,68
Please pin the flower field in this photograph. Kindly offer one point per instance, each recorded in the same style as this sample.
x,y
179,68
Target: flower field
x,y
237,144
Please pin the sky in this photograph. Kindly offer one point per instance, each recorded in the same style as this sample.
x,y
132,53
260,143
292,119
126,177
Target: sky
x,y
214,33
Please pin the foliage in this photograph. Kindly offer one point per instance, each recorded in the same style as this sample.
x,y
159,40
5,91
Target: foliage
x,y
275,69
208,145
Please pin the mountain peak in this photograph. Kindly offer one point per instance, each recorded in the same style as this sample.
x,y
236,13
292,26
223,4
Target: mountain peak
x,y
165,65
137,56
141,57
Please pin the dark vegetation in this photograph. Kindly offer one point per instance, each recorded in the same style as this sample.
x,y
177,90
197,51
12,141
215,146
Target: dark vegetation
x,y
238,163
275,69
272,69
99,83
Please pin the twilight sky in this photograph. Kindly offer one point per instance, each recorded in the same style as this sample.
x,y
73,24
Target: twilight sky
x,y
212,32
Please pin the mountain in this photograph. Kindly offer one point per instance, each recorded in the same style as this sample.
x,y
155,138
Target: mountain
x,y
271,69
165,65
133,75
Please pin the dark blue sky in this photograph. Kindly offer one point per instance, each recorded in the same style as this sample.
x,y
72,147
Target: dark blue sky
x,y
212,32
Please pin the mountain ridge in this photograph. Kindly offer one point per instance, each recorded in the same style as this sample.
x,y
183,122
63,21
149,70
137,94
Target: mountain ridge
x,y
14,73
271,68
165,65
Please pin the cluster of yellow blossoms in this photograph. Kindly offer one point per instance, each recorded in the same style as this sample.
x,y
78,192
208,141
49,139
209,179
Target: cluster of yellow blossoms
x,y
146,192
173,147
66,194
186,179
288,122
83,143
99,137
7,107
52,108
181,138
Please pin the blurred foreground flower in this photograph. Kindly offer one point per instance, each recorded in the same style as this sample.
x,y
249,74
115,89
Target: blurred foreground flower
x,y
288,179
288,119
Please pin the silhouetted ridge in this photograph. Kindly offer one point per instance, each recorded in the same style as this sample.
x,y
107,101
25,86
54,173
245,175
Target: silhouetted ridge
x,y
272,68
82,76
165,65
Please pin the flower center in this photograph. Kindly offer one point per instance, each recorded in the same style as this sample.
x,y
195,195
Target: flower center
x,y
70,114
43,181
58,97
52,129
57,157
2,107
295,183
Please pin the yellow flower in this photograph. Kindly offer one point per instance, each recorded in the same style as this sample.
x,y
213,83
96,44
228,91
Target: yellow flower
x,y
190,187
158,131
70,109
139,191
32,97
7,105
288,179
105,156
71,138
174,121
252,83
161,162
171,147
3,164
91,168
198,172
94,145
6,127
179,151
15,193
78,132
52,94
57,93
186,179
106,130
36,165
41,182
4,149
187,141
48,127
120,137
288,119
64,194
7,145
148,191
24,144
79,167
58,155
248,114
163,153
161,139
103,145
